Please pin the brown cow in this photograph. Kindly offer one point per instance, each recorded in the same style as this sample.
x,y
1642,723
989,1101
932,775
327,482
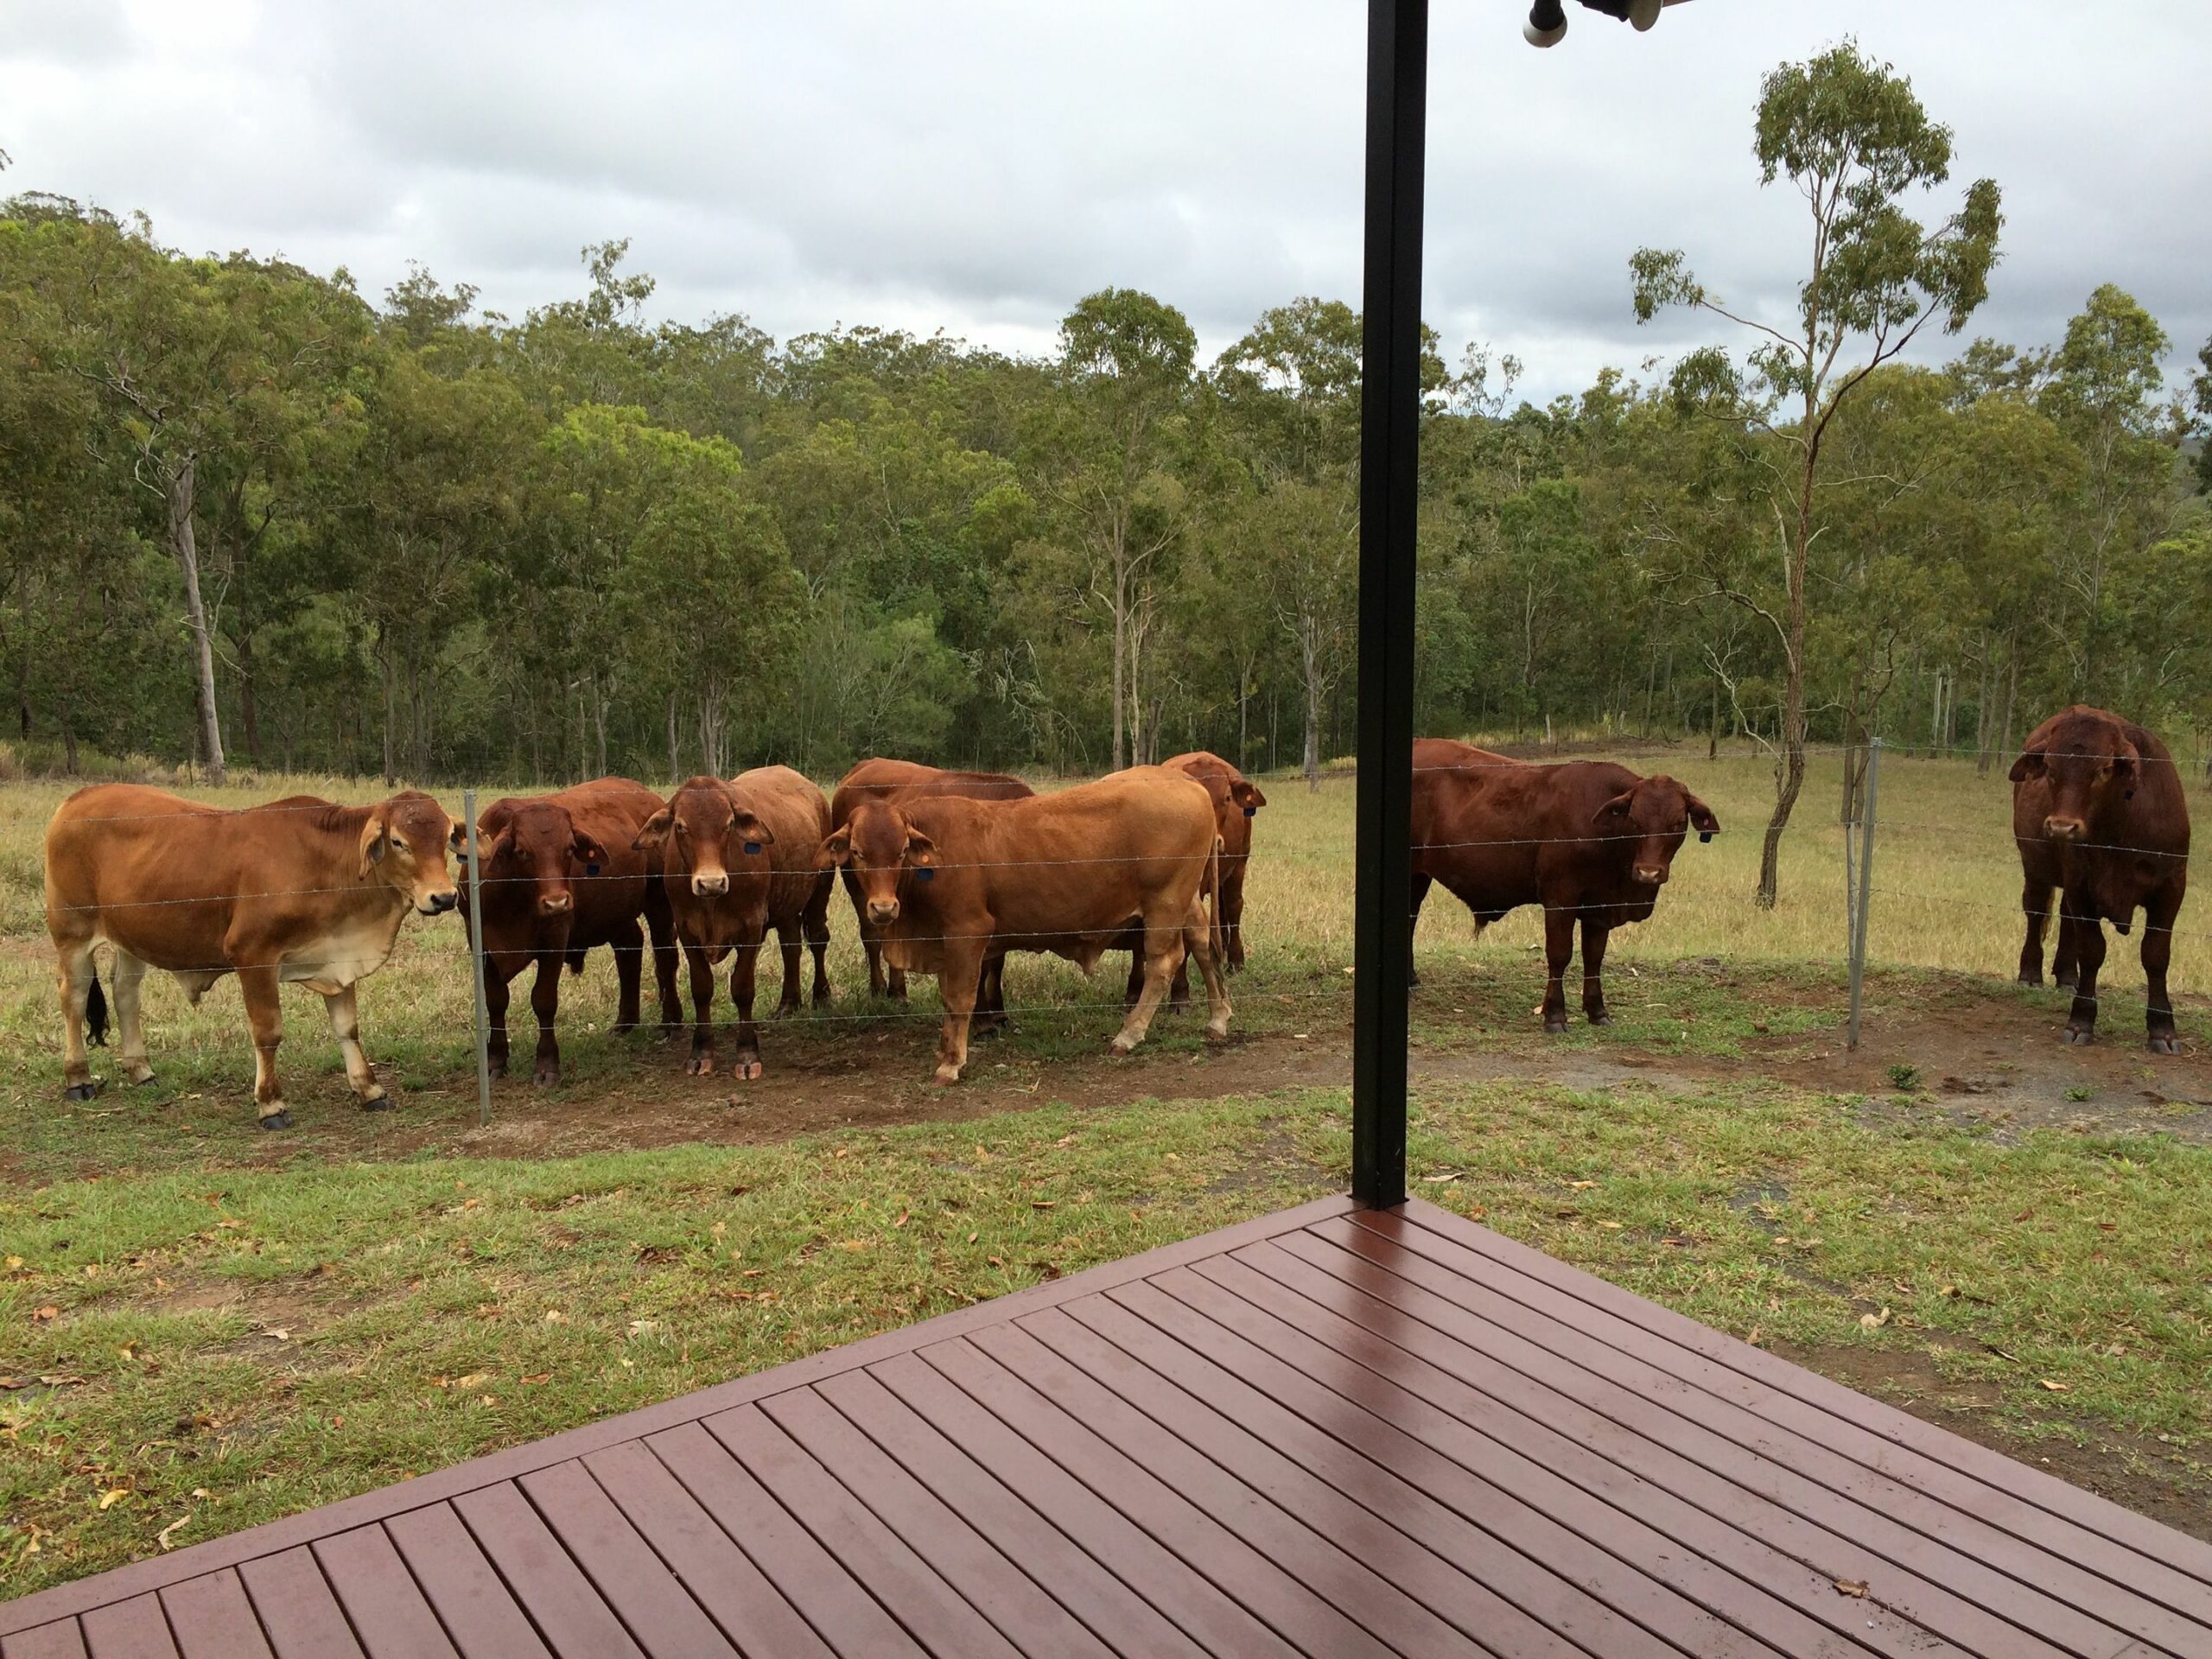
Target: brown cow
x,y
738,858
1236,800
2100,815
901,780
560,877
1589,841
299,891
950,882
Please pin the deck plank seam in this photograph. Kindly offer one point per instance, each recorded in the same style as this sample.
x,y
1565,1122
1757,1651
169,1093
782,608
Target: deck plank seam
x,y
1269,1619
1939,1522
1395,1524
2030,1607
2123,1528
1105,1638
1574,1472
490,1562
1834,1544
583,1568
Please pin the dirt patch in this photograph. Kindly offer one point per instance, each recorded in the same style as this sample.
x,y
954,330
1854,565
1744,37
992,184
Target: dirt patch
x,y
2133,1471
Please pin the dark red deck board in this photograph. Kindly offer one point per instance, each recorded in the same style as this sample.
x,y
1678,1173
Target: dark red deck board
x,y
211,1619
1326,1432
297,1610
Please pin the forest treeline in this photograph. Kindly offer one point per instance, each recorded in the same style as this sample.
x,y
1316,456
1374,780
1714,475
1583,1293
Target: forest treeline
x,y
248,513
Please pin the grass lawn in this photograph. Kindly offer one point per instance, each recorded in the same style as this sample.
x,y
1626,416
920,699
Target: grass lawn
x,y
203,1327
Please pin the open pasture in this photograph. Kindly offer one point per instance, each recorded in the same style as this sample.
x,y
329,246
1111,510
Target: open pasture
x,y
203,1325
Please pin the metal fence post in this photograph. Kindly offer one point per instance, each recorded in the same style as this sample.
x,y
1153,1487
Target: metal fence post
x,y
476,963
1865,873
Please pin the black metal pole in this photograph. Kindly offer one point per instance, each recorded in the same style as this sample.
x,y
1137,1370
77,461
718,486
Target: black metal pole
x,y
1389,457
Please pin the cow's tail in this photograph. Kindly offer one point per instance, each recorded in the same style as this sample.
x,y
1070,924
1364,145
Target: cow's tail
x,y
1217,930
96,1013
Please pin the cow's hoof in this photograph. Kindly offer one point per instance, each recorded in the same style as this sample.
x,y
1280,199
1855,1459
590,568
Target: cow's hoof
x,y
944,1078
746,1071
1119,1046
2065,982
2164,1042
623,1027
1556,1027
1601,1018
544,1076
380,1102
277,1121
2082,1036
495,1070
784,1010
699,1066
2030,978
79,1093
1183,1007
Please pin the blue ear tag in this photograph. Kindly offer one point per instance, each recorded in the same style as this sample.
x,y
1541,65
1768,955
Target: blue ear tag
x,y
923,873
1704,835
752,846
1251,812
591,869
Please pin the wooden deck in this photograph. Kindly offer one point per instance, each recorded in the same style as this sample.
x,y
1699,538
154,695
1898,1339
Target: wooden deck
x,y
1327,1432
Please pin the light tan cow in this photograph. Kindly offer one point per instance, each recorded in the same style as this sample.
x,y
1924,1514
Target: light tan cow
x,y
299,891
950,882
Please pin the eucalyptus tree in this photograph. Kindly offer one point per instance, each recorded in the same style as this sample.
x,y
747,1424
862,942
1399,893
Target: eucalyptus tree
x,y
1851,136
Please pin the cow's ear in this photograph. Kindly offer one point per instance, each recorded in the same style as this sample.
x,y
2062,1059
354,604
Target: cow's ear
x,y
837,851
2030,764
1248,796
457,839
1615,810
654,834
1709,826
376,842
2126,763
587,850
757,835
921,851
492,819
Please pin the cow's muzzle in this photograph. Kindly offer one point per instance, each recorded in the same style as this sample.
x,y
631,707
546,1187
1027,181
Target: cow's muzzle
x,y
555,904
881,912
439,903
1652,876
2064,829
710,887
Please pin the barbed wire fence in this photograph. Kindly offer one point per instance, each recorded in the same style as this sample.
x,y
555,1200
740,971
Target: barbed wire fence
x,y
1862,831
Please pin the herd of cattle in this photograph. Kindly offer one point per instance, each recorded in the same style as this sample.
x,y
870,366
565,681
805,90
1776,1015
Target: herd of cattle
x,y
948,873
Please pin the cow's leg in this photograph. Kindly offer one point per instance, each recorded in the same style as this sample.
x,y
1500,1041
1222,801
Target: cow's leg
x,y
2066,964
660,925
787,941
1134,988
871,938
1179,989
989,1018
1559,948
628,944
1232,916
702,1063
2158,917
265,1017
1163,954
1198,944
129,977
345,1011
1420,896
2035,902
74,973
2088,935
545,1003
815,920
959,976
495,1015
746,1066
1594,935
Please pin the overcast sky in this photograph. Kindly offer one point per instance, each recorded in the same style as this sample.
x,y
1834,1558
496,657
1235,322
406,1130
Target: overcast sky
x,y
978,165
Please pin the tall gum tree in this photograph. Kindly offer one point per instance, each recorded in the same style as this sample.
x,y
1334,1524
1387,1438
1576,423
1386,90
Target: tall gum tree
x,y
1853,138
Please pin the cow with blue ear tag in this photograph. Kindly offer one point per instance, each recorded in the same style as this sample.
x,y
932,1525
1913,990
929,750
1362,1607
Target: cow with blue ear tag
x,y
560,878
737,859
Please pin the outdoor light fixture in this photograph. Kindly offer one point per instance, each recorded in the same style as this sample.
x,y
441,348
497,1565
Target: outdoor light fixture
x,y
1548,18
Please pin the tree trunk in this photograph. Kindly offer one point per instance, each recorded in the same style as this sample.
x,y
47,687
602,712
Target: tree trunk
x,y
1713,735
186,549
1120,658
1790,773
1310,655
675,753
391,712
2011,695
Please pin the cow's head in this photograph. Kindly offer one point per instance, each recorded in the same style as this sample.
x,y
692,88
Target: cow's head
x,y
877,848
535,845
2083,759
1649,821
704,833
404,845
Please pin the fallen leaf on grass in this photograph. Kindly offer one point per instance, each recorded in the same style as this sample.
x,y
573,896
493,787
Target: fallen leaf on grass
x,y
1445,1175
114,1495
1610,1226
638,1327
274,1333
555,1316
49,1312
1042,1204
904,1216
14,1262
162,1536
1852,1587
994,1260
474,1380
1582,1186
541,1376
2057,1388
1874,1321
